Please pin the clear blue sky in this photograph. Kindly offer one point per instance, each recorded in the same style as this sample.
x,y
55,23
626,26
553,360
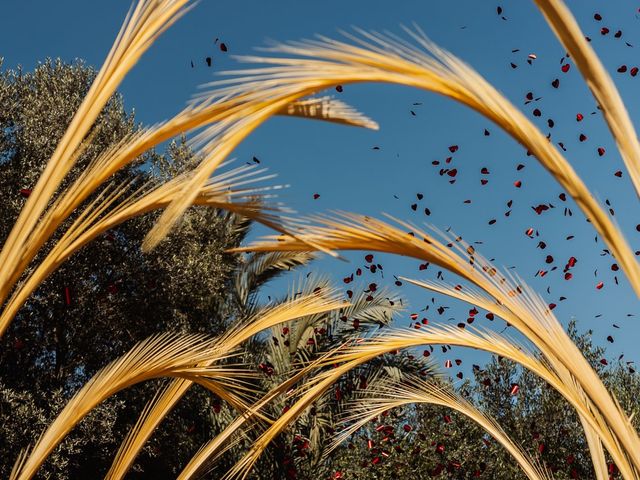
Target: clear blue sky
x,y
339,163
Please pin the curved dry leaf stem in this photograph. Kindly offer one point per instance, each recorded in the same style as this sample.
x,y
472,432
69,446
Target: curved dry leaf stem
x,y
159,356
319,302
219,444
98,217
567,386
233,131
121,154
390,59
566,28
360,353
529,314
595,449
142,26
390,395
491,342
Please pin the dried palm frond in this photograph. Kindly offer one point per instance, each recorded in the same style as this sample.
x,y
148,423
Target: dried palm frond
x,y
221,443
142,26
31,237
387,58
566,28
507,297
162,355
388,395
227,191
329,109
299,306
360,353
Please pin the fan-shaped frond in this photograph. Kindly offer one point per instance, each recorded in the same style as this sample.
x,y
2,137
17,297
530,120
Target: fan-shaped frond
x,y
259,268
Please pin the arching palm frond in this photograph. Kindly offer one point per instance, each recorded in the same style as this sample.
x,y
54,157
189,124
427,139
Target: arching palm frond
x,y
566,28
507,296
159,356
388,395
164,402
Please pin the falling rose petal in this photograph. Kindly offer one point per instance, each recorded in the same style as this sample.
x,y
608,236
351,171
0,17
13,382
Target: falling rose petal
x,y
579,117
517,184
565,68
555,83
604,31
339,88
600,285
453,148
582,137
622,69
633,71
316,196
515,388
601,151
597,17
537,112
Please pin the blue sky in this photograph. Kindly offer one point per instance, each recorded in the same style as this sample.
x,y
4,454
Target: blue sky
x,y
339,164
